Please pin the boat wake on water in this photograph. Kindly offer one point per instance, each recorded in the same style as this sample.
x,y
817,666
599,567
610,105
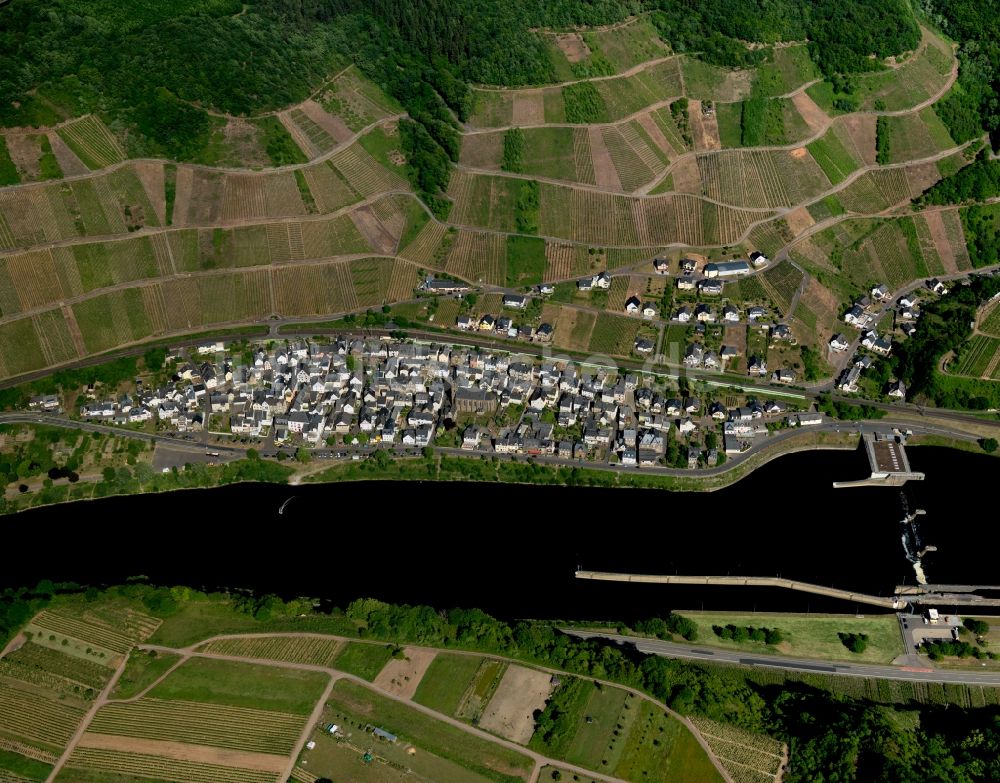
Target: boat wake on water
x,y
913,544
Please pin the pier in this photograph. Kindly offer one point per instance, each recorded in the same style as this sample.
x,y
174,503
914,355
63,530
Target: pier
x,y
748,581
905,595
889,465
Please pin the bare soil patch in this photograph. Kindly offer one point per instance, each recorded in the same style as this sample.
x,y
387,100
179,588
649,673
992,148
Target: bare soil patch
x,y
529,108
861,131
604,168
182,195
244,140
332,125
24,153
14,644
921,177
401,677
815,117
825,304
511,711
152,178
704,130
687,177
572,46
799,220
70,164
371,228
940,236
736,337
649,125
182,751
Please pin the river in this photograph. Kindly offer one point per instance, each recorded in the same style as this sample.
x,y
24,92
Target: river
x,y
512,549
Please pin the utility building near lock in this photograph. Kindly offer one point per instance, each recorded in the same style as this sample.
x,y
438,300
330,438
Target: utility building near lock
x,y
727,269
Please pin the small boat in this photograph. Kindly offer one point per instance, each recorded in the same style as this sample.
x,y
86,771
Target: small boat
x,y
282,509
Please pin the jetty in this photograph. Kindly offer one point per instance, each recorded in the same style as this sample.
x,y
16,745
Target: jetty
x,y
889,465
885,602
904,596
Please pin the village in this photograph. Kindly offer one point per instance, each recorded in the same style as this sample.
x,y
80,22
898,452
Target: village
x,y
314,394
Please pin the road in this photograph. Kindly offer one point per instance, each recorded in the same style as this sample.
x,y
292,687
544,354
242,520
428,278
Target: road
x,y
693,652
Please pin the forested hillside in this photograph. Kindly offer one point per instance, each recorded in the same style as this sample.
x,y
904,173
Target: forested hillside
x,y
153,68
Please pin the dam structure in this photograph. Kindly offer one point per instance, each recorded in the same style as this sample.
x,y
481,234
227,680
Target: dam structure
x,y
889,465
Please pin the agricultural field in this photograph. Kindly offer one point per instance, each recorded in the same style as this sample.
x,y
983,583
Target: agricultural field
x,y
479,256
92,142
483,201
626,45
914,136
291,649
916,80
353,707
978,358
521,693
989,321
787,69
781,282
760,179
355,101
446,681
835,154
362,660
747,757
614,334
705,82
238,684
102,762
875,191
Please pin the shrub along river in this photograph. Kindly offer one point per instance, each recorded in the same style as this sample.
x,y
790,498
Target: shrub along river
x,y
512,549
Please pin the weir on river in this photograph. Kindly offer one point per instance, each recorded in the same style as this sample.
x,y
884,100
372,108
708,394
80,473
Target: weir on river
x,y
889,464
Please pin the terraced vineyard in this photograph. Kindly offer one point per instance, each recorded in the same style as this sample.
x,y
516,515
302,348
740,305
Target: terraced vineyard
x,y
236,728
747,757
142,765
292,649
624,169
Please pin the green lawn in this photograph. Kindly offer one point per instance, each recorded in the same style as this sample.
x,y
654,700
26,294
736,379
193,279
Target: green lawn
x,y
243,685
808,636
589,745
25,767
526,261
446,680
362,660
832,156
353,701
659,747
195,621
729,116
549,152
144,667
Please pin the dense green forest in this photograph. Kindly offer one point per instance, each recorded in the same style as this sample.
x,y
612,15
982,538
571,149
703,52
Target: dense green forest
x,y
945,325
976,182
972,106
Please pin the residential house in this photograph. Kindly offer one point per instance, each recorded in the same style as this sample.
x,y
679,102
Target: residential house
x,y
781,332
937,286
783,375
848,380
661,266
757,366
683,315
704,313
897,390
642,345
756,312
694,356
880,293
710,287
686,283
465,322
545,289
649,310
633,305
758,259
689,265
730,314
855,316
839,343
515,301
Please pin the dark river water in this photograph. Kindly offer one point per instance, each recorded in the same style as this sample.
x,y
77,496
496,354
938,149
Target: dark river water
x,y
512,550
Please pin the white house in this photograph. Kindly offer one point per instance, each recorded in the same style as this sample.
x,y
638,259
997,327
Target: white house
x,y
661,266
839,343
633,305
